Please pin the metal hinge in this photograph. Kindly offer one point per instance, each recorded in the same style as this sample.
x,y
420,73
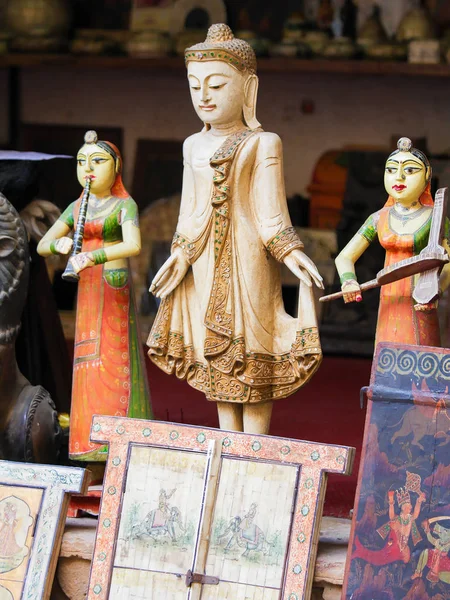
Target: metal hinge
x,y
199,578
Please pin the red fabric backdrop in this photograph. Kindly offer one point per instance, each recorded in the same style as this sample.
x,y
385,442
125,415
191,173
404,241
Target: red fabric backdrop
x,y
326,410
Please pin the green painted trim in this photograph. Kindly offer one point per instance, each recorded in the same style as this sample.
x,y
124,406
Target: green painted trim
x,y
347,277
99,256
139,406
67,216
368,230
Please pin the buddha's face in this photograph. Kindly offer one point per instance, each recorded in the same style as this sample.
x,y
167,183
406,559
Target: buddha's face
x,y
217,91
405,177
99,165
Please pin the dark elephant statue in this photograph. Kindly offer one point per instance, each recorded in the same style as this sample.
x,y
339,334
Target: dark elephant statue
x,y
29,427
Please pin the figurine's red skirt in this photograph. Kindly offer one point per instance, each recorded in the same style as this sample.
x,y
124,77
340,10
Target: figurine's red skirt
x,y
108,376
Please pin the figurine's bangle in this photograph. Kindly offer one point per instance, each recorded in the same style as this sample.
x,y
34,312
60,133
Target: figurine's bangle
x,y
186,245
53,249
283,243
348,283
99,256
347,277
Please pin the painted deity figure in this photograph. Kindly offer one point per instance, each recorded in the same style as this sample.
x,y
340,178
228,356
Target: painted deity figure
x,y
221,324
402,227
109,375
437,559
8,524
398,531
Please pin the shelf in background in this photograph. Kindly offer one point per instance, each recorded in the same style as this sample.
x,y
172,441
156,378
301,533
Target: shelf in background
x,y
276,65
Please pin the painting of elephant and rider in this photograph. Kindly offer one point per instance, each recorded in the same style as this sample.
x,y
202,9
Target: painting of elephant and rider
x,y
400,541
161,517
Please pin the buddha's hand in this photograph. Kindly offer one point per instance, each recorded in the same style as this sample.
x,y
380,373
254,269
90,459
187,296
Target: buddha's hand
x,y
170,274
351,291
63,245
82,261
303,268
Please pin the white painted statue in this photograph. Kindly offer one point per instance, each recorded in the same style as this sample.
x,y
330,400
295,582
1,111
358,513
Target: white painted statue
x,y
221,324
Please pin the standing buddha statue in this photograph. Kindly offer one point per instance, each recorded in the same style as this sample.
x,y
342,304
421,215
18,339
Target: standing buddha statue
x,y
221,324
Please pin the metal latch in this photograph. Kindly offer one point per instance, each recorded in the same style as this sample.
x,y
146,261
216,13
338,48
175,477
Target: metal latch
x,y
199,578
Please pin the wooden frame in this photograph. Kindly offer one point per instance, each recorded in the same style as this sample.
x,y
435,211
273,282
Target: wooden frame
x,y
27,568
311,461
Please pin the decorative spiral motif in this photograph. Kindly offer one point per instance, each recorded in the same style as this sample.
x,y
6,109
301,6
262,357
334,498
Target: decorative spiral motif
x,y
406,362
386,360
428,364
444,366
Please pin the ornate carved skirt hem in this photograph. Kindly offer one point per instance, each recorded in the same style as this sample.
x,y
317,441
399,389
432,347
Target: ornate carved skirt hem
x,y
255,378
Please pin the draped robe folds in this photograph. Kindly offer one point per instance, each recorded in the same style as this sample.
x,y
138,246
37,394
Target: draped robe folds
x,y
224,328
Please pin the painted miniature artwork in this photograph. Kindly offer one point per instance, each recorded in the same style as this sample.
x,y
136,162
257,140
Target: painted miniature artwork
x,y
160,511
190,512
33,506
249,545
401,535
18,510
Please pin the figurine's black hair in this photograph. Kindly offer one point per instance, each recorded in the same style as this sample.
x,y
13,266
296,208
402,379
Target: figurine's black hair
x,y
404,144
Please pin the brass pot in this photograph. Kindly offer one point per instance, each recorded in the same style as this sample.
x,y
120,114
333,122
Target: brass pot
x,y
417,24
41,18
372,33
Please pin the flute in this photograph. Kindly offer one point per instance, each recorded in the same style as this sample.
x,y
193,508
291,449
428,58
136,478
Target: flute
x,y
70,274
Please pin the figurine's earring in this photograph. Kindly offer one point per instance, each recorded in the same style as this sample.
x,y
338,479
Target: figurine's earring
x,y
117,161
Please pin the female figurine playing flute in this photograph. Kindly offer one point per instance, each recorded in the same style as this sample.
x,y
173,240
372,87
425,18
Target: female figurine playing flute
x,y
109,376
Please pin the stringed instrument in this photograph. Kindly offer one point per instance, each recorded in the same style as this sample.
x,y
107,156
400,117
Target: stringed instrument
x,y
428,263
427,286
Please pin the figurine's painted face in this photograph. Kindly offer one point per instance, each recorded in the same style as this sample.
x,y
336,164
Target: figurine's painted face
x,y
217,92
405,177
95,162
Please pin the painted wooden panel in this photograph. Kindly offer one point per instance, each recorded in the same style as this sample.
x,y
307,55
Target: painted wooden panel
x,y
19,508
160,510
400,536
239,512
251,525
33,507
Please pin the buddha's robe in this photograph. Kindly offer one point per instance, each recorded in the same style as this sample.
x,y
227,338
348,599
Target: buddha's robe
x,y
224,328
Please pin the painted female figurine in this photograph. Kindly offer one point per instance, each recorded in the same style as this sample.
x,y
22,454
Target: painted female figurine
x,y
402,227
221,324
109,376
